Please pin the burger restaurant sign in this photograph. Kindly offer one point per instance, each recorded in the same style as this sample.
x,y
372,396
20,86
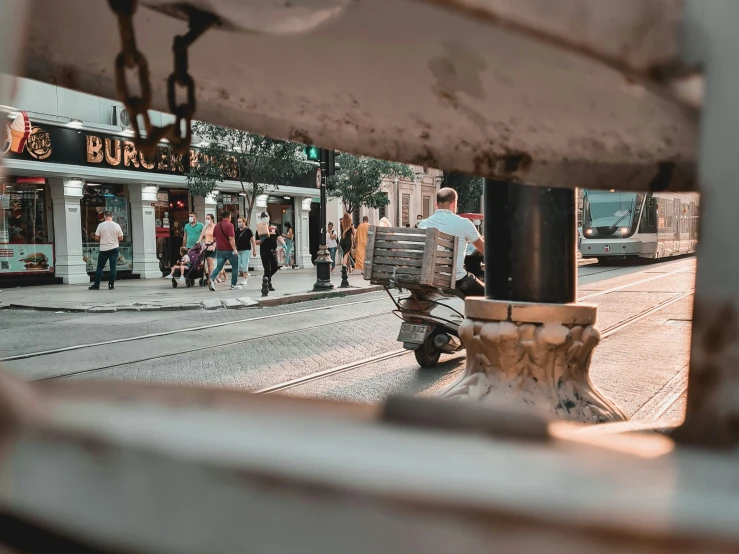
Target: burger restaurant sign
x,y
63,145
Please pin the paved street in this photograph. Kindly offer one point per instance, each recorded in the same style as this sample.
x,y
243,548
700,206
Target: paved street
x,y
644,316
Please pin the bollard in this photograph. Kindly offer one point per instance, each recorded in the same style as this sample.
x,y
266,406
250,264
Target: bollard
x,y
344,278
265,285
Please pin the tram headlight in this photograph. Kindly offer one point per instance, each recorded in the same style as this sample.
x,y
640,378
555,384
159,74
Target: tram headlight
x,y
624,230
588,232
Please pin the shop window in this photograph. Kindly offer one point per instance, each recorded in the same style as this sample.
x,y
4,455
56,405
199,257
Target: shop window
x,y
234,203
426,206
406,210
96,200
383,209
25,246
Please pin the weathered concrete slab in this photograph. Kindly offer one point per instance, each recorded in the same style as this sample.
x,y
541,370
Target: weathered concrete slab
x,y
576,109
214,304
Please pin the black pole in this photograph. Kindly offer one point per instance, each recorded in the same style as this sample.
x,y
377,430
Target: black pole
x,y
530,243
323,260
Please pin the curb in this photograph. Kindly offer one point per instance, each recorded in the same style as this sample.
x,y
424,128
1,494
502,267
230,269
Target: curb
x,y
209,304
336,293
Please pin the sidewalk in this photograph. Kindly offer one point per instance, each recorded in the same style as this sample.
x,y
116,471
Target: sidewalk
x,y
158,294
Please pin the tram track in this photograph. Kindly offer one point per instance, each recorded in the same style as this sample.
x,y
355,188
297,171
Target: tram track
x,y
605,334
160,334
204,348
178,331
320,374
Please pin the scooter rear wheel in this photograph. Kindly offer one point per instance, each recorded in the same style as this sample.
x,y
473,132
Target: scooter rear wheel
x,y
427,355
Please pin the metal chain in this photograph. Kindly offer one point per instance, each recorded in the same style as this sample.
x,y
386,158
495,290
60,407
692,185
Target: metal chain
x,y
131,58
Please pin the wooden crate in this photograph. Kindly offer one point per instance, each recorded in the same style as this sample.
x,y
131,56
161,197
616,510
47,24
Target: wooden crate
x,y
412,258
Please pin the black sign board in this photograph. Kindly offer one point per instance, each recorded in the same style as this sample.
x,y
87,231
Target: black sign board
x,y
63,145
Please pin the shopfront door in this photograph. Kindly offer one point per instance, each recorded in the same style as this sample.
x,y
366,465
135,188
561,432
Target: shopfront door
x,y
171,213
96,200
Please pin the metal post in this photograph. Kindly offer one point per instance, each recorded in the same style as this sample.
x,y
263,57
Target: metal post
x,y
323,260
530,246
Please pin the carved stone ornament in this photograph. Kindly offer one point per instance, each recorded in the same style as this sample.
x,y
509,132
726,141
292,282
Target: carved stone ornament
x,y
535,354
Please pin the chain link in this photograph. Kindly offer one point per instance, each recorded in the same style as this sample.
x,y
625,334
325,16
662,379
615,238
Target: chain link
x,y
130,58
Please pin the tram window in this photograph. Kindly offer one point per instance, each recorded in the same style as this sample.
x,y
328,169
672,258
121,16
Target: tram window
x,y
649,220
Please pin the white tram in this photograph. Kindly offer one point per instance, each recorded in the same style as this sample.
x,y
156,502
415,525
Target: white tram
x,y
648,225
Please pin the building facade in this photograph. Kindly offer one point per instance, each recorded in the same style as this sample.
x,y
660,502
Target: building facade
x,y
78,160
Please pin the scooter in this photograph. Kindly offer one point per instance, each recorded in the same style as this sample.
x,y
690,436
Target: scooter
x,y
431,320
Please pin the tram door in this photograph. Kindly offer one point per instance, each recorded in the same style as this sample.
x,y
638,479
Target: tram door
x,y
677,208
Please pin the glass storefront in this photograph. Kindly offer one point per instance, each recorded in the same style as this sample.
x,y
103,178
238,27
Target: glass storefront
x,y
281,210
26,241
96,200
171,211
234,203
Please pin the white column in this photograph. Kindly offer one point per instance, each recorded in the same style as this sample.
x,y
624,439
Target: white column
x,y
143,230
260,205
302,224
65,199
206,205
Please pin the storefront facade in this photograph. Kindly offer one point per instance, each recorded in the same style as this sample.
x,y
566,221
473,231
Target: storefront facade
x,y
63,180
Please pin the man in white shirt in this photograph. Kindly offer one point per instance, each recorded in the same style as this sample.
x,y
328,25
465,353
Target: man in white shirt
x,y
109,234
445,219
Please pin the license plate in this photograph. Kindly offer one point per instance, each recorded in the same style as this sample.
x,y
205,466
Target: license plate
x,y
412,333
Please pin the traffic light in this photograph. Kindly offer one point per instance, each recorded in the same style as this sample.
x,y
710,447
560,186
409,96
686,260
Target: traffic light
x,y
330,162
313,153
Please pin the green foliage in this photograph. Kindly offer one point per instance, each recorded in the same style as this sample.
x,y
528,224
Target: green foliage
x,y
357,182
257,162
469,190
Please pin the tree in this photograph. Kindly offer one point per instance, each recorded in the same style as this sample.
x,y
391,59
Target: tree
x,y
469,190
357,182
255,161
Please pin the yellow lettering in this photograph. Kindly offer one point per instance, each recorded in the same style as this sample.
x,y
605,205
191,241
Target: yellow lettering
x,y
194,158
175,162
113,151
130,155
163,158
144,162
94,149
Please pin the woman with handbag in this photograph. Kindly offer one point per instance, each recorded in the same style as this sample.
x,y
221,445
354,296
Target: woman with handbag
x,y
347,239
209,244
268,238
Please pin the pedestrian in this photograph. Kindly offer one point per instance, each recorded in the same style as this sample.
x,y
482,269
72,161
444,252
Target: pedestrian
x,y
209,243
360,242
225,251
332,244
245,244
384,222
288,238
109,234
418,220
193,230
268,238
347,239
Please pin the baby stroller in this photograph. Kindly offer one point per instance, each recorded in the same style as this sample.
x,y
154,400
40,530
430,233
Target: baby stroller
x,y
197,267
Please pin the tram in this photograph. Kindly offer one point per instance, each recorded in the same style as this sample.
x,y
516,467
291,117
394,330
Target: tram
x,y
646,225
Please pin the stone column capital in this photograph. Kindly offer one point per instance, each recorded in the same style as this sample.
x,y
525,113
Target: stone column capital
x,y
534,354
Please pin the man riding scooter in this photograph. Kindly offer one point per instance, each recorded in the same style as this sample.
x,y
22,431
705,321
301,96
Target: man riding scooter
x,y
445,219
